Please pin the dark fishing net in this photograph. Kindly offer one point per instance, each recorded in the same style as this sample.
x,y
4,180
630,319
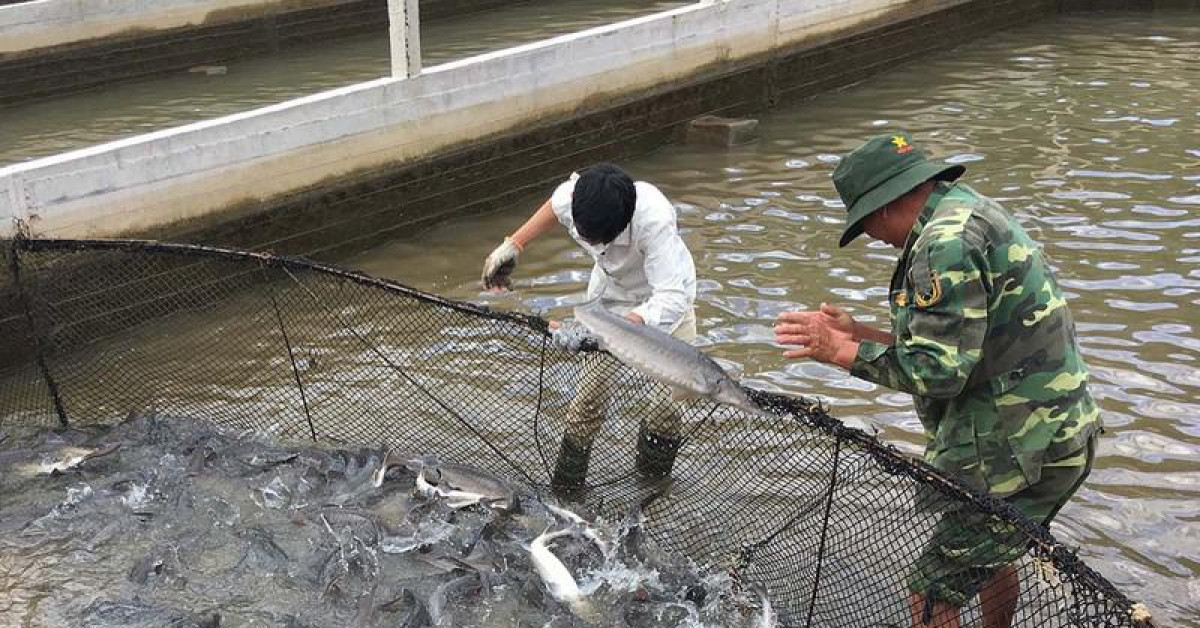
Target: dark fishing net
x,y
826,519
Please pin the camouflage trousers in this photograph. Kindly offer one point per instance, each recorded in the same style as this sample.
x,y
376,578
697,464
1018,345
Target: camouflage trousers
x,y
587,410
969,547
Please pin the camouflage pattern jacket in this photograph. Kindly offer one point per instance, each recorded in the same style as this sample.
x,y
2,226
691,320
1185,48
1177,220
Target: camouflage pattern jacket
x,y
986,345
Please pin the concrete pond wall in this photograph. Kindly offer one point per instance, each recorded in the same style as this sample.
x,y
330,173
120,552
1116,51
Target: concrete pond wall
x,y
344,169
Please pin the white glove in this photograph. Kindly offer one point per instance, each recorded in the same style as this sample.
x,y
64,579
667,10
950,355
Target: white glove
x,y
573,336
499,265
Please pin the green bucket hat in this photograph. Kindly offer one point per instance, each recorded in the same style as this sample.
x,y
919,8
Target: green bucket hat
x,y
880,171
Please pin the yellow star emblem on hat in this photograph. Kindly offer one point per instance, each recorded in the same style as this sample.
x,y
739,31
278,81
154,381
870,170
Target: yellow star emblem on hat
x,y
902,145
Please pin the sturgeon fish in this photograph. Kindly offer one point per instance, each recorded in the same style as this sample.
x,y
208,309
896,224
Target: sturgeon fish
x,y
462,486
454,498
557,577
69,458
768,618
685,369
390,459
581,524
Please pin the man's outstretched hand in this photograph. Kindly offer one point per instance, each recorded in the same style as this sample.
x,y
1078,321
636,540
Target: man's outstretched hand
x,y
826,335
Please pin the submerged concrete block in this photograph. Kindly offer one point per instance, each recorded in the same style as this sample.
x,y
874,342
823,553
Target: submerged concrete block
x,y
718,131
210,70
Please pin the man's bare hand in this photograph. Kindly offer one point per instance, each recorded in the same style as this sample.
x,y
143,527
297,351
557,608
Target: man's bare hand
x,y
840,320
827,335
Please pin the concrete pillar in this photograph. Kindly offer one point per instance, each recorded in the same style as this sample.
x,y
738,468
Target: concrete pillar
x,y
405,30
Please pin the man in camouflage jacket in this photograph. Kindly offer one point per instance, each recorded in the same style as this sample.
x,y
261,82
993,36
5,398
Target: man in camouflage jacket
x,y
983,339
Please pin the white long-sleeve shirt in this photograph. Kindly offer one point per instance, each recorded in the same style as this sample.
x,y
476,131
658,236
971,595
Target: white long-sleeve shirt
x,y
647,266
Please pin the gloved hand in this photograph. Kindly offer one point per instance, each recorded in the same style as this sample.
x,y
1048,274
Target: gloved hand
x,y
499,265
573,336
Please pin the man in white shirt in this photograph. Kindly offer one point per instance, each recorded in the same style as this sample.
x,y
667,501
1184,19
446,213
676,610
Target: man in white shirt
x,y
642,270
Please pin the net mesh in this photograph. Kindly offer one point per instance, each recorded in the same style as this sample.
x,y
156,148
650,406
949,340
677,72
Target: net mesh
x,y
825,518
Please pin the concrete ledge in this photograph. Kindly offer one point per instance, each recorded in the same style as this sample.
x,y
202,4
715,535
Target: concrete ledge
x,y
347,168
182,174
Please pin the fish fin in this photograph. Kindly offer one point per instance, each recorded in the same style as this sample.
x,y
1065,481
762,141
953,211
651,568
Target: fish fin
x,y
417,463
461,502
497,503
592,302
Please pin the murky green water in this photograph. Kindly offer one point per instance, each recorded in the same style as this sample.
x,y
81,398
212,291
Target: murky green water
x,y
1085,127
120,111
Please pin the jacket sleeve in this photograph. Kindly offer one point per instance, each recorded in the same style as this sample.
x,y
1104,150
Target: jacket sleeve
x,y
947,315
560,201
671,274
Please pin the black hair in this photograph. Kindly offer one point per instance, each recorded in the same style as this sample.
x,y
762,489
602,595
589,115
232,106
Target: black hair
x,y
602,203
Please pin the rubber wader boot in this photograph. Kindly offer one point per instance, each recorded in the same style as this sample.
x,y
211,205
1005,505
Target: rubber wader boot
x,y
656,453
570,470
